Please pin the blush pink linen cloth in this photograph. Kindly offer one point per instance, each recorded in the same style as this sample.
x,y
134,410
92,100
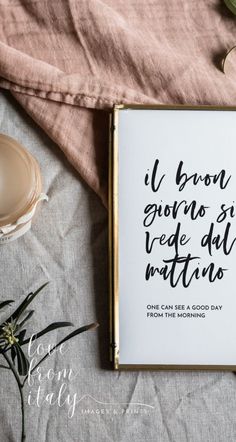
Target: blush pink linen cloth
x,y
68,62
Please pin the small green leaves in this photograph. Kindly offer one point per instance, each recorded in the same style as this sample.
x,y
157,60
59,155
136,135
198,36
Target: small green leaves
x,y
231,5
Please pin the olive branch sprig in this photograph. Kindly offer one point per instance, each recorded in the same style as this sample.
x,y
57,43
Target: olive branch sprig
x,y
12,339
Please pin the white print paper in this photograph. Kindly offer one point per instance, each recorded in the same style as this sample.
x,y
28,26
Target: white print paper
x,y
177,237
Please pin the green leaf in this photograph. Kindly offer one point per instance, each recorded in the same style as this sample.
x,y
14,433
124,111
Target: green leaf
x,y
3,346
53,326
3,349
13,354
231,5
22,361
21,336
28,316
4,366
77,332
5,303
23,306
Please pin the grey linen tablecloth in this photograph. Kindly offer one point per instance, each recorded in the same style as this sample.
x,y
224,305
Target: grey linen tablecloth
x,y
68,246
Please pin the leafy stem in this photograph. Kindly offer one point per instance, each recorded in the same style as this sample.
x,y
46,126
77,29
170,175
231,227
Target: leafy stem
x,y
12,339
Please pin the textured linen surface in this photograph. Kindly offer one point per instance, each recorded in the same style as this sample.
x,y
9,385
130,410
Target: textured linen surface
x,y
64,59
68,246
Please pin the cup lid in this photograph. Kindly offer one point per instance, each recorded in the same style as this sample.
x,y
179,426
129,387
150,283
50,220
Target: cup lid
x,y
20,180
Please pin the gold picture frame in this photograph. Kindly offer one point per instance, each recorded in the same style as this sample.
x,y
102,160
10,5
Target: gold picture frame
x,y
113,224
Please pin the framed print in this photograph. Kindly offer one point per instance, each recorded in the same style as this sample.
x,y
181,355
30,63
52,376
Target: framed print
x,y
172,235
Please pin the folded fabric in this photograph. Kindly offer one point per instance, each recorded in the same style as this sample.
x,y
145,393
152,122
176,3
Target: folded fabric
x,y
67,62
